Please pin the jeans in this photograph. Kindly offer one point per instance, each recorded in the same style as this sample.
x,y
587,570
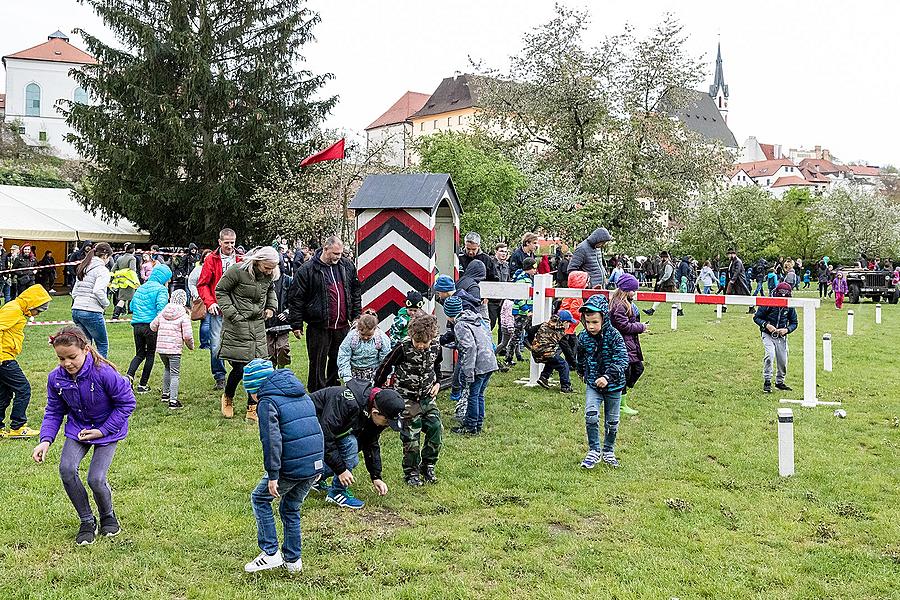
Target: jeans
x,y
759,289
610,402
557,363
823,289
322,345
204,333
216,364
707,289
776,349
7,291
144,351
458,387
475,407
14,384
95,327
293,492
350,453
171,375
73,453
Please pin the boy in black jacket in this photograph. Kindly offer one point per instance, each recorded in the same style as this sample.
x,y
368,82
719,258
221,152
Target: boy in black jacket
x,y
776,323
352,417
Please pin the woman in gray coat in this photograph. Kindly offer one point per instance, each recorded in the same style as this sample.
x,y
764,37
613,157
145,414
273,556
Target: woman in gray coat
x,y
246,297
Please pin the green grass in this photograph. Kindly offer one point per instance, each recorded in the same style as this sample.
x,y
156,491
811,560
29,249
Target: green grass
x,y
696,511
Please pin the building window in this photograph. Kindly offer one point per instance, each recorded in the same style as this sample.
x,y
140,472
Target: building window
x,y
448,121
21,131
42,136
80,96
32,100
434,124
459,120
422,126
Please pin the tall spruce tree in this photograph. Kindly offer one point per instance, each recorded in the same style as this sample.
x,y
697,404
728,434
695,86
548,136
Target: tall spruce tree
x,y
190,108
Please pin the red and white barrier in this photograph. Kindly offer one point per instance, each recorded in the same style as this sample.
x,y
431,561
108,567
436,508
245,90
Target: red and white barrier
x,y
36,323
543,294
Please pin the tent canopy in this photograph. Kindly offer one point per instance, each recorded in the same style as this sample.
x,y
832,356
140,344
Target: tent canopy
x,y
33,213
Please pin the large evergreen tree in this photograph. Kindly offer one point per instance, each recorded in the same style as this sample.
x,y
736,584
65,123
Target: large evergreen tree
x,y
190,108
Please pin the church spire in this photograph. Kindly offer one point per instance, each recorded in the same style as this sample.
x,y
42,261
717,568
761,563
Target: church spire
x,y
719,81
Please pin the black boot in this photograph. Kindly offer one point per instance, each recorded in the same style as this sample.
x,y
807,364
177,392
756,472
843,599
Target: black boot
x,y
412,479
427,473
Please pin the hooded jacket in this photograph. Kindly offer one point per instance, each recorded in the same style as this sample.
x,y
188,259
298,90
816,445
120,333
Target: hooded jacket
x,y
343,410
839,285
475,347
474,274
151,298
781,317
686,270
523,306
97,397
361,354
13,319
292,440
308,299
244,299
588,258
174,327
603,355
630,327
576,280
90,293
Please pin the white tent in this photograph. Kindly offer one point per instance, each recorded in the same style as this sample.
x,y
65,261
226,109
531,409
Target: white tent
x,y
51,214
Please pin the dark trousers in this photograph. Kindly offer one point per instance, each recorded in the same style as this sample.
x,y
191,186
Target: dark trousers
x,y
234,378
322,346
823,289
494,312
632,374
567,345
144,351
13,383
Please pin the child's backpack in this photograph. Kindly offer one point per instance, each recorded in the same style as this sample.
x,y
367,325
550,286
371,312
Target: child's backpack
x,y
354,339
546,340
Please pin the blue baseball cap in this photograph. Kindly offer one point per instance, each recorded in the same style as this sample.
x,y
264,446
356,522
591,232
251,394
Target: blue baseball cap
x,y
566,316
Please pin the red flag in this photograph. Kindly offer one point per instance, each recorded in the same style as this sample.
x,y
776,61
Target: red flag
x,y
333,152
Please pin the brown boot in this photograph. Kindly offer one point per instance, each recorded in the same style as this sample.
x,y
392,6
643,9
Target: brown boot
x,y
251,413
227,406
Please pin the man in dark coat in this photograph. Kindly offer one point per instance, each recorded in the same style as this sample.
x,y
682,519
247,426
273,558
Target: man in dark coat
x,y
326,296
737,279
525,250
588,256
472,251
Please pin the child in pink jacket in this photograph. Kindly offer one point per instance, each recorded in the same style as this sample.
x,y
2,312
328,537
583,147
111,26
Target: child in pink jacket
x,y
174,331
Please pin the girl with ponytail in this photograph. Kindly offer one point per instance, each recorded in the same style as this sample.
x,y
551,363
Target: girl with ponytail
x,y
89,295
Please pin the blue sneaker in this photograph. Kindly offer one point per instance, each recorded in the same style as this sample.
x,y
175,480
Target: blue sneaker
x,y
610,459
590,460
322,486
344,498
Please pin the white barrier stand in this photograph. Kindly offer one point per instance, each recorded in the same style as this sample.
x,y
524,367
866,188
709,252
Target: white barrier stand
x,y
809,359
849,322
826,352
719,312
674,317
878,314
785,442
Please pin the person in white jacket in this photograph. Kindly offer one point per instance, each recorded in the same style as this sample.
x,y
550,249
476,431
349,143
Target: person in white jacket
x,y
707,277
89,296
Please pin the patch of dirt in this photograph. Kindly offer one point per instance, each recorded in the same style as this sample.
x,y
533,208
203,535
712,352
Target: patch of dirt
x,y
558,528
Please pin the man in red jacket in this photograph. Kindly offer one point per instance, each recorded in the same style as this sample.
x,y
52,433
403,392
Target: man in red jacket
x,y
210,274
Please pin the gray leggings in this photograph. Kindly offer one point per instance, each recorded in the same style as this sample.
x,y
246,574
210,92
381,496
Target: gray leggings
x,y
171,375
73,453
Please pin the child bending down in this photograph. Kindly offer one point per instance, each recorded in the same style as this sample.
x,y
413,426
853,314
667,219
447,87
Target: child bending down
x,y
363,349
96,401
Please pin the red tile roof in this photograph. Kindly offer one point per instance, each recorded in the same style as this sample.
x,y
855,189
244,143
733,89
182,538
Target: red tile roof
x,y
761,168
813,176
407,105
819,165
768,150
790,181
865,170
55,50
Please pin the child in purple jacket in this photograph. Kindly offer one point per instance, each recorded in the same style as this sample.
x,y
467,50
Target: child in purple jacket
x,y
626,318
97,401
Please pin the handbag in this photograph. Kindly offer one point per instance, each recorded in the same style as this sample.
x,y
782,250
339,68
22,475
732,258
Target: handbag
x,y
198,309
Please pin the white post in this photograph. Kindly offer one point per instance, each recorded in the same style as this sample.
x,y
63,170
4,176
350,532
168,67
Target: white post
x,y
718,311
674,317
809,355
849,322
543,307
878,314
785,442
826,351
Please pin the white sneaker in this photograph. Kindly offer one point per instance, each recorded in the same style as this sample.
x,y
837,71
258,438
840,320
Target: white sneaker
x,y
294,567
263,562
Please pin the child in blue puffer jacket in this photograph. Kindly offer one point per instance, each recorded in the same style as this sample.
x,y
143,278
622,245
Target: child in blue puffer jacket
x,y
601,360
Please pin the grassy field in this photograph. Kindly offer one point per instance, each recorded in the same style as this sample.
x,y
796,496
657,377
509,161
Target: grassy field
x,y
696,511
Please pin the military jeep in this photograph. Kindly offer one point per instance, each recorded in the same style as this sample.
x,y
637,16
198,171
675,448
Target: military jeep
x,y
876,285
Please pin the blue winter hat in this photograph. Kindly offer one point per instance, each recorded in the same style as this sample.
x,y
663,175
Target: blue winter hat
x,y
453,306
255,373
566,316
444,283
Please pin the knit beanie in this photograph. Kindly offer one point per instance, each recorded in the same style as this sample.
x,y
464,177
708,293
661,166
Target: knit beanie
x,y
414,299
444,283
782,290
453,306
255,373
627,282
178,297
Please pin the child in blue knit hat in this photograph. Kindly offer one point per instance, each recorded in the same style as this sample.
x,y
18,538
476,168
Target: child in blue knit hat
x,y
293,457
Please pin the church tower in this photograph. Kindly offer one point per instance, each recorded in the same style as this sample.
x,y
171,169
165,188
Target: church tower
x,y
718,91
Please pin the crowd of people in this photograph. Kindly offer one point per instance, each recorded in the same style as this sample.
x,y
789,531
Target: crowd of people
x,y
361,380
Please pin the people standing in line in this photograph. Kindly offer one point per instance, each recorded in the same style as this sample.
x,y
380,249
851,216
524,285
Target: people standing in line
x,y
776,323
602,360
89,299
149,300
246,296
214,266
526,249
173,331
626,318
325,298
96,402
737,283
840,289
14,386
588,256
125,280
26,261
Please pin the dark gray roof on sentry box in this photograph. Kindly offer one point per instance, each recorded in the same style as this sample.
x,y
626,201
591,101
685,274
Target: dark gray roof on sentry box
x,y
699,114
417,190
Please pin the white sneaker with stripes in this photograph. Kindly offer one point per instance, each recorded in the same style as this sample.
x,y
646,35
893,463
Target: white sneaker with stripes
x,y
263,562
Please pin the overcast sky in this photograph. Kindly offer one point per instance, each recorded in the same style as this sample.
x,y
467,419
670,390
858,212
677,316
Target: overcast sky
x,y
799,73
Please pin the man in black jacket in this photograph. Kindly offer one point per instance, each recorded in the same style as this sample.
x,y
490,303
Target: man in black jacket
x,y
326,296
352,418
472,251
